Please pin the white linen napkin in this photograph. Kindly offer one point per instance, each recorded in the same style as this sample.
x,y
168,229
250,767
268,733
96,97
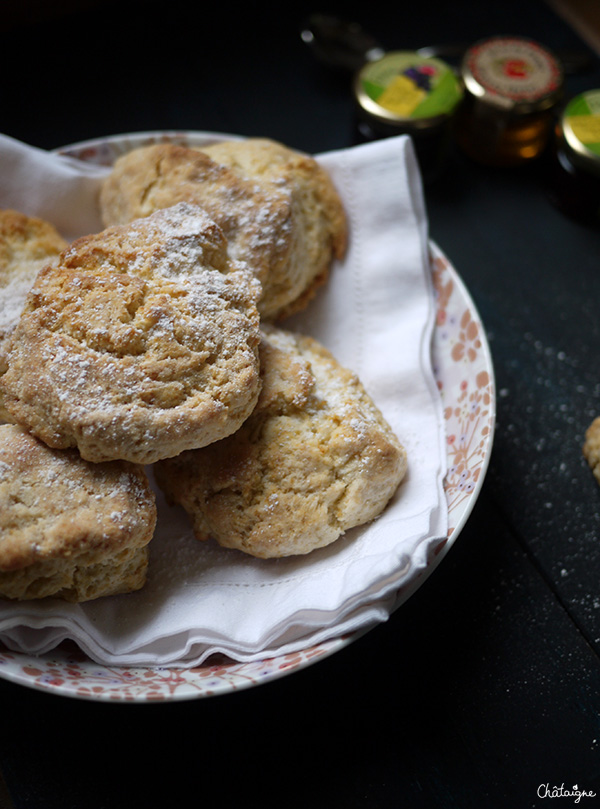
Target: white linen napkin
x,y
376,314
59,189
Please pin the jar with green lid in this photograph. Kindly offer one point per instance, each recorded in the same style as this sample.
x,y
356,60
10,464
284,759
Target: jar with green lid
x,y
512,86
403,93
574,173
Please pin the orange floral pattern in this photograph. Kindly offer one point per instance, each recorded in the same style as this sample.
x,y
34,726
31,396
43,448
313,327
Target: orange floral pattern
x,y
465,379
68,671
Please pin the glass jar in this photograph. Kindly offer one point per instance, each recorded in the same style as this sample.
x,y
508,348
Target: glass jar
x,y
573,176
403,93
512,88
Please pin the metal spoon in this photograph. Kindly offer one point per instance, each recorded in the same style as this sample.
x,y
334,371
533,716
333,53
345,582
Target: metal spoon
x,y
338,43
345,45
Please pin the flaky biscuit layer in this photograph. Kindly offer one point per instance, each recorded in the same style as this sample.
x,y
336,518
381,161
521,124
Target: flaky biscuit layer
x,y
142,342
591,447
70,528
315,459
27,243
279,210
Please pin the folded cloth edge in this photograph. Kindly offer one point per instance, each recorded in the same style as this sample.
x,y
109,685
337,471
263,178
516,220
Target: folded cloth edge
x,y
417,202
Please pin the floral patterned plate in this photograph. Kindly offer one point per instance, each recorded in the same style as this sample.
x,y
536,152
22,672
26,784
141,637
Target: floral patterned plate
x,y
464,373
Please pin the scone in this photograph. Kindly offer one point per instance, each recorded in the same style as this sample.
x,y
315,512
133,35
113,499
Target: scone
x,y
69,528
278,208
591,447
315,459
27,243
141,343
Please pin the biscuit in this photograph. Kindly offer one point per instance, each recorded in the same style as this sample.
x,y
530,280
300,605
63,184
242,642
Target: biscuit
x,y
27,243
591,447
315,459
141,343
69,528
278,208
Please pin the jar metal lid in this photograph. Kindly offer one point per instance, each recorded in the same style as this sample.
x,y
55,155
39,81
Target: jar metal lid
x,y
512,73
580,124
407,89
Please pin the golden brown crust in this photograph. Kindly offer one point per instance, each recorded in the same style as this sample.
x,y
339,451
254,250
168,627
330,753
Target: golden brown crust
x,y
141,343
591,447
315,459
70,528
27,243
279,210
320,224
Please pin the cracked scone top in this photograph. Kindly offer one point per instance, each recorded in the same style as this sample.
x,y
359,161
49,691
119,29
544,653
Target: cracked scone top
x,y
142,342
278,208
315,459
69,528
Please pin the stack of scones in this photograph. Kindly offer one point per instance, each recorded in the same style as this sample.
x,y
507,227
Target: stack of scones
x,y
157,343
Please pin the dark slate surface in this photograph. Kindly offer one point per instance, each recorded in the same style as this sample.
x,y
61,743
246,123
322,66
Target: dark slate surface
x,y
485,685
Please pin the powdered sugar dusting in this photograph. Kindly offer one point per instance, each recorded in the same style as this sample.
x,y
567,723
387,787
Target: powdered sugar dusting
x,y
142,331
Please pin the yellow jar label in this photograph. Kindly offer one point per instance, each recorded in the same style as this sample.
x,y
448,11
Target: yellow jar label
x,y
586,127
582,120
401,96
406,85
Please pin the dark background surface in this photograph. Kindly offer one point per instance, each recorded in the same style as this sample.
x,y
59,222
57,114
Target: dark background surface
x,y
486,683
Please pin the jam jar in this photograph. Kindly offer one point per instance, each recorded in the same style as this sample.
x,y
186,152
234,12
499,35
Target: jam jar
x,y
512,87
403,93
573,173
